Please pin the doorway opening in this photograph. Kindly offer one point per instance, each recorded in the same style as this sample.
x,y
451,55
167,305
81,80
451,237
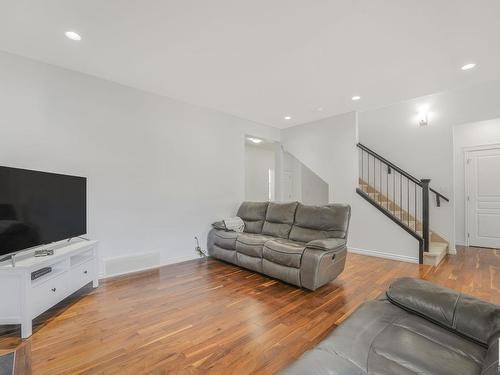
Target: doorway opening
x,y
273,174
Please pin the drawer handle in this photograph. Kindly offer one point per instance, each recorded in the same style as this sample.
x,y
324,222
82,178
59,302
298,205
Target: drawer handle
x,y
54,289
85,272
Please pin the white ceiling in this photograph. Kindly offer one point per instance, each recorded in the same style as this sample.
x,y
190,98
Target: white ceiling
x,y
264,59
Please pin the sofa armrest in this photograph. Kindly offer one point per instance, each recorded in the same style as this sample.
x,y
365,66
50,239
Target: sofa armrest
x,y
465,315
319,267
219,225
327,244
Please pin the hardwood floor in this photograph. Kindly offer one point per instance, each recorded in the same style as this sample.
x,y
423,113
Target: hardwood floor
x,y
210,317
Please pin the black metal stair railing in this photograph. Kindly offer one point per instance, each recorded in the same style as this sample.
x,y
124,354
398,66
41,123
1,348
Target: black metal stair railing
x,y
400,196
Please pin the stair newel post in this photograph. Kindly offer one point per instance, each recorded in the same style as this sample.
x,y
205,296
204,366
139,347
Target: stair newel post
x,y
425,213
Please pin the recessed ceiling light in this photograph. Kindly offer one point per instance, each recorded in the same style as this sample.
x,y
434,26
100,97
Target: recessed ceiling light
x,y
319,109
287,117
72,35
254,140
356,97
468,66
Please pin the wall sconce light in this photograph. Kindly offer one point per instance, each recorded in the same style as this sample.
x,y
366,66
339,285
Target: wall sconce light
x,y
423,115
424,119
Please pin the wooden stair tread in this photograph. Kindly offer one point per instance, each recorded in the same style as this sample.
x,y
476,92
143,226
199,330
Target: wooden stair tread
x,y
437,252
436,248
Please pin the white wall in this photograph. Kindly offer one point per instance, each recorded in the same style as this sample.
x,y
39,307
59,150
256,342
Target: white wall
x,y
314,190
464,136
159,171
427,152
299,183
258,162
328,148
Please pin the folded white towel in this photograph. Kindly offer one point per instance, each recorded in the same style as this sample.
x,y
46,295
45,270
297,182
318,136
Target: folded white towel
x,y
234,224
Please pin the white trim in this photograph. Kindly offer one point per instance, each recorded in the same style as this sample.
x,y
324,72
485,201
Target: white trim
x,y
452,251
166,263
481,147
381,254
467,192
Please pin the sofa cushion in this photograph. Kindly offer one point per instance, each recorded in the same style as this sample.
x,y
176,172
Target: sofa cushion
x,y
253,214
315,222
490,365
289,275
285,252
225,239
381,338
251,244
320,362
419,345
249,262
279,219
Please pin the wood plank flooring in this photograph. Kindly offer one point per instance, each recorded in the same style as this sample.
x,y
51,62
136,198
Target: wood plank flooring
x,y
208,317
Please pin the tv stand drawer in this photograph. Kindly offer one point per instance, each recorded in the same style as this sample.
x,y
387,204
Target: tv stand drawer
x,y
49,293
82,274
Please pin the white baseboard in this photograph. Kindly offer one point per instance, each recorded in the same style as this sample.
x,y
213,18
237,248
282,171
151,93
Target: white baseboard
x,y
135,257
124,264
145,267
380,254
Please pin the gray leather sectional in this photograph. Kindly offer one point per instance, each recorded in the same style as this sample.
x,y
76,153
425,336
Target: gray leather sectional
x,y
299,244
416,328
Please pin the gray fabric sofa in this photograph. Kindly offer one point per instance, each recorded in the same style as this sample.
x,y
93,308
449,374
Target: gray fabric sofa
x,y
299,244
416,328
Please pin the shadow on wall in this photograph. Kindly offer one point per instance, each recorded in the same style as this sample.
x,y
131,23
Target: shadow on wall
x,y
275,175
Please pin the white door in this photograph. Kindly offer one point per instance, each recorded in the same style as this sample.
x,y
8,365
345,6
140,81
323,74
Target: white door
x,y
483,199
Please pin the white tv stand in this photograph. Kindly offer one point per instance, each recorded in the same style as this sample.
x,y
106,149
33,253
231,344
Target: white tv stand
x,y
74,265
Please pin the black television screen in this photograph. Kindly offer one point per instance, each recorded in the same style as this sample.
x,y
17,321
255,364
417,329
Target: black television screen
x,y
37,208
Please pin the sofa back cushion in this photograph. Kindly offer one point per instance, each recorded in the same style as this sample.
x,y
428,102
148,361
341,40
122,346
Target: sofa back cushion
x,y
279,219
253,214
319,222
468,316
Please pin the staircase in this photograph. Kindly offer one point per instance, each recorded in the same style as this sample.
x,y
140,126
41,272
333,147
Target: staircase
x,y
404,199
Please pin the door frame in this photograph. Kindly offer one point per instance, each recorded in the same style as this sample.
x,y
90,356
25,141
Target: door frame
x,y
466,152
